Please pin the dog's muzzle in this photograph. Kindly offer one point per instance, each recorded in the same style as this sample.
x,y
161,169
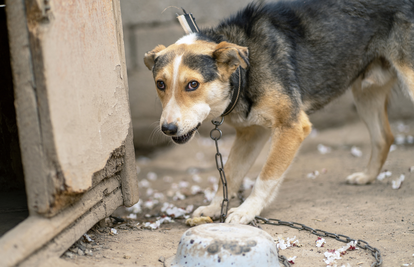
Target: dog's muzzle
x,y
185,137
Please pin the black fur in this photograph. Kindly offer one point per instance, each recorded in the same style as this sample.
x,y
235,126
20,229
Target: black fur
x,y
316,48
204,64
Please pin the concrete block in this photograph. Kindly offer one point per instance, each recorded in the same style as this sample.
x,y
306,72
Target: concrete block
x,y
143,11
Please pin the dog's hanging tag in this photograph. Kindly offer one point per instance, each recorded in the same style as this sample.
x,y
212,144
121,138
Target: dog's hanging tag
x,y
188,23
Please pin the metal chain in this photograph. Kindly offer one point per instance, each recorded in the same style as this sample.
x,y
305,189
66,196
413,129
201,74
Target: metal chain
x,y
225,205
220,168
342,238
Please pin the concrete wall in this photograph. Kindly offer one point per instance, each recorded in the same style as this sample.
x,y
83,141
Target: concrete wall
x,y
149,23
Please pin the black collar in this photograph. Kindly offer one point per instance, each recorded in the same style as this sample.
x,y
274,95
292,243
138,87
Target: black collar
x,y
235,97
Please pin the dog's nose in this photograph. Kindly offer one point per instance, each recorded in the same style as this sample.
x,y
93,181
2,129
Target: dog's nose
x,y
169,129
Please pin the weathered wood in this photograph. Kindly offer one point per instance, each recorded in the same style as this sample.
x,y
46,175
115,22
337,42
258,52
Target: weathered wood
x,y
129,173
56,262
28,120
35,232
66,238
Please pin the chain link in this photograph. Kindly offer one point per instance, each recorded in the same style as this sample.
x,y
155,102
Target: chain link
x,y
342,238
220,168
299,226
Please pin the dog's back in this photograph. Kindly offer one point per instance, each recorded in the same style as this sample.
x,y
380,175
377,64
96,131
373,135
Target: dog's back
x,y
323,46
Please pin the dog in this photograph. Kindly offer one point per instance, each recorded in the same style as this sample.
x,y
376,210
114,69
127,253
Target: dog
x,y
285,60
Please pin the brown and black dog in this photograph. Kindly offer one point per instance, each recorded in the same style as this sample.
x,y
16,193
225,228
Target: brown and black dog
x,y
289,59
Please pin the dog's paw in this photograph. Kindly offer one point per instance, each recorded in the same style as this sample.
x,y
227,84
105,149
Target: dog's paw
x,y
241,215
359,178
212,210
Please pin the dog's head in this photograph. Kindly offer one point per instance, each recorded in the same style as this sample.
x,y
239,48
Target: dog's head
x,y
192,78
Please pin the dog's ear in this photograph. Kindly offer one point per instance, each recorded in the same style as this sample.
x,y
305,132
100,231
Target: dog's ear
x,y
230,56
150,56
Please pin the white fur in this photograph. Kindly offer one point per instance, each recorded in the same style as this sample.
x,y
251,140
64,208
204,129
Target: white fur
x,y
171,112
176,72
264,192
188,39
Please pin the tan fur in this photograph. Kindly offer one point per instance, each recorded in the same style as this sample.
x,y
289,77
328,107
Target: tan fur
x,y
406,73
229,57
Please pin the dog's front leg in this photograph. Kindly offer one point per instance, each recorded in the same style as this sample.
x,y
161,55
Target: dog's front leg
x,y
286,141
247,146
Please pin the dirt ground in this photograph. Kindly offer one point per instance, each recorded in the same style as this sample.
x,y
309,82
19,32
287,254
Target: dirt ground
x,y
376,213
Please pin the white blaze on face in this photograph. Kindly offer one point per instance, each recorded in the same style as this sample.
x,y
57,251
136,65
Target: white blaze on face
x,y
172,111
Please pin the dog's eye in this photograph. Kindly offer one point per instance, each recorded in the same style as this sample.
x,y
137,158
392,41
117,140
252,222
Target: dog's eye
x,y
193,85
161,85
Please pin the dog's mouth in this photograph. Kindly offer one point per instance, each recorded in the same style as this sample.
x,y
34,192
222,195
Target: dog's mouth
x,y
185,137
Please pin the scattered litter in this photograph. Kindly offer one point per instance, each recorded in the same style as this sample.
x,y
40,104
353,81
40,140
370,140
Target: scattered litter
x,y
167,179
198,221
172,210
183,184
324,170
248,183
396,184
399,139
189,208
291,260
356,152
87,238
178,196
289,242
320,242
332,255
313,175
403,127
127,257
196,178
149,204
383,175
410,139
174,186
411,169
152,176
150,191
212,180
113,231
393,148
210,193
195,189
324,149
155,225
158,195
136,208
132,216
144,183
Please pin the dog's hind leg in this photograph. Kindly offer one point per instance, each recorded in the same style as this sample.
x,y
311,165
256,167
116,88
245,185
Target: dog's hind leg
x,y
370,98
247,146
